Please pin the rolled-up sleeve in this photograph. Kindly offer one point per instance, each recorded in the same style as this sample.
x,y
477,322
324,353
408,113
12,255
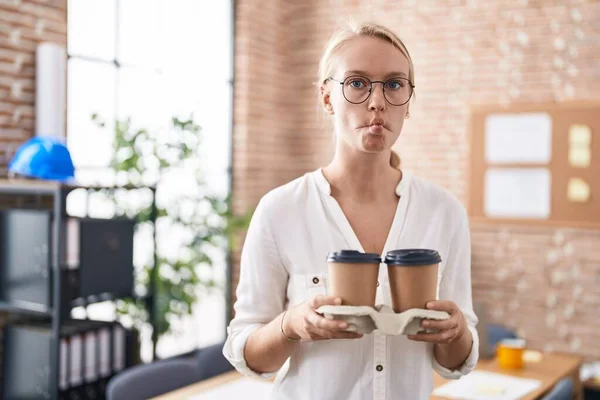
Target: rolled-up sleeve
x,y
261,291
455,285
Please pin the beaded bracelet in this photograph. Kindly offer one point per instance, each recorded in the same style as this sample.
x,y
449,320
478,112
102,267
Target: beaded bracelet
x,y
283,333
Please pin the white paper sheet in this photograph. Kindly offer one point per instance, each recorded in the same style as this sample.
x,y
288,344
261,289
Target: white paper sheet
x,y
517,193
589,370
243,388
482,385
518,138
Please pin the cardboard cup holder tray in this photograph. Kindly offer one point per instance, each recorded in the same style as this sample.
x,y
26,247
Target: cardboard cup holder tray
x,y
365,319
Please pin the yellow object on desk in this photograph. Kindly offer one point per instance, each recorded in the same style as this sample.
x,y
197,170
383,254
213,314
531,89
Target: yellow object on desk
x,y
532,356
510,353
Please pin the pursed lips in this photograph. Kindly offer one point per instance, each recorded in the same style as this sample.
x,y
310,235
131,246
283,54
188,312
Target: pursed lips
x,y
376,125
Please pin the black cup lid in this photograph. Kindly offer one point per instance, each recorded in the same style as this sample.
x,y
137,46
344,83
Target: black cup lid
x,y
353,256
410,257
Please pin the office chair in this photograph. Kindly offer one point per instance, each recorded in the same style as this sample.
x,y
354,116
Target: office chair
x,y
496,333
150,380
563,390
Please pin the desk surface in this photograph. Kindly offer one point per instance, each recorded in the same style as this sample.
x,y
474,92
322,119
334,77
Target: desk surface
x,y
200,387
552,368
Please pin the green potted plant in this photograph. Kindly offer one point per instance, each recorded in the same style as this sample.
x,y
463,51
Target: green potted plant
x,y
171,283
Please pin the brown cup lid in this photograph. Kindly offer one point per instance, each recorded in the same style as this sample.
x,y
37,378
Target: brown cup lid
x,y
412,257
353,256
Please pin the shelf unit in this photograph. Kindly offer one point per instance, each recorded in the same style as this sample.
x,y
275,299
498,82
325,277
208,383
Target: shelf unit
x,y
50,302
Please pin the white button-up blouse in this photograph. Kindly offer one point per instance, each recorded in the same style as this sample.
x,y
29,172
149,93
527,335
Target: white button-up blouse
x,y
283,263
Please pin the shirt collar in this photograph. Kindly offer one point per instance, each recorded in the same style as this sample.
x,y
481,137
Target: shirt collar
x,y
325,187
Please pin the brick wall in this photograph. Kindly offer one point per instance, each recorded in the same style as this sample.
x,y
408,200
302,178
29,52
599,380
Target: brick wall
x,y
23,24
466,53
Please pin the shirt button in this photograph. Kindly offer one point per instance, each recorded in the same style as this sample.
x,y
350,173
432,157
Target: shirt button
x,y
379,368
315,280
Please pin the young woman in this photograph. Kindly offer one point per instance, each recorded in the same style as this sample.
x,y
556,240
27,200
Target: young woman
x,y
363,201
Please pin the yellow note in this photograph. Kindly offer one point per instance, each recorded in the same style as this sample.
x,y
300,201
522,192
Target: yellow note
x,y
580,157
580,152
578,190
580,135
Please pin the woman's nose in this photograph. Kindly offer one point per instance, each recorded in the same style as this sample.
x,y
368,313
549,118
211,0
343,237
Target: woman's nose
x,y
377,98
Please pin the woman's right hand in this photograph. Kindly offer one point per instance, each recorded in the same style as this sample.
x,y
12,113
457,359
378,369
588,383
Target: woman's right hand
x,y
303,322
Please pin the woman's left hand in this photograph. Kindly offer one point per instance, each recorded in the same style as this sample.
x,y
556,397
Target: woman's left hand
x,y
450,330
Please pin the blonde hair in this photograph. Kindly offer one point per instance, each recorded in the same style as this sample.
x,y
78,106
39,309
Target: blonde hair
x,y
351,31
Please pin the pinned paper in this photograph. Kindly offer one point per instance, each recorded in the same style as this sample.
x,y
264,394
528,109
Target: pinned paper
x,y
532,132
580,134
580,139
578,190
517,193
580,158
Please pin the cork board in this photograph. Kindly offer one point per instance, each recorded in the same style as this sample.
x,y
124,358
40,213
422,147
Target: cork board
x,y
574,163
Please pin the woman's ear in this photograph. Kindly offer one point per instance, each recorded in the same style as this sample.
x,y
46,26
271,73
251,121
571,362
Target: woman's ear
x,y
329,108
326,99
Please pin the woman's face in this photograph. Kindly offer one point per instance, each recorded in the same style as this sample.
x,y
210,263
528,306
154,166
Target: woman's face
x,y
373,125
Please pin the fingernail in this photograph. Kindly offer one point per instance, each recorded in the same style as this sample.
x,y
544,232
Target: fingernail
x,y
343,325
430,304
338,301
425,323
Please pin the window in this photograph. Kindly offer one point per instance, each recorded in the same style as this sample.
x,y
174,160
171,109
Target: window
x,y
534,164
151,60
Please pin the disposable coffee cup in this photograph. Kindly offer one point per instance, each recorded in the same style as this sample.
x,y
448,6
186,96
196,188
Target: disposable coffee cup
x,y
353,277
413,277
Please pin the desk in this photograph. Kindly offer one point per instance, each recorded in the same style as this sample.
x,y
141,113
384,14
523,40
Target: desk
x,y
200,387
552,368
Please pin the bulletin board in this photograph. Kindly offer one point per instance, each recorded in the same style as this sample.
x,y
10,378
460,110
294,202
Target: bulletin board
x,y
536,164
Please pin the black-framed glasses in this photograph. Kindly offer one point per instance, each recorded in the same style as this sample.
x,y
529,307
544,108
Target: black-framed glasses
x,y
357,89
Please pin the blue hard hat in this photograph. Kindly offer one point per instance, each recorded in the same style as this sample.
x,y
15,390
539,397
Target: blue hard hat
x,y
43,157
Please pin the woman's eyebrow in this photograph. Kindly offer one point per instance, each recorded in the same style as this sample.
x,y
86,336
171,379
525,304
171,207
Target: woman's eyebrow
x,y
394,74
364,73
